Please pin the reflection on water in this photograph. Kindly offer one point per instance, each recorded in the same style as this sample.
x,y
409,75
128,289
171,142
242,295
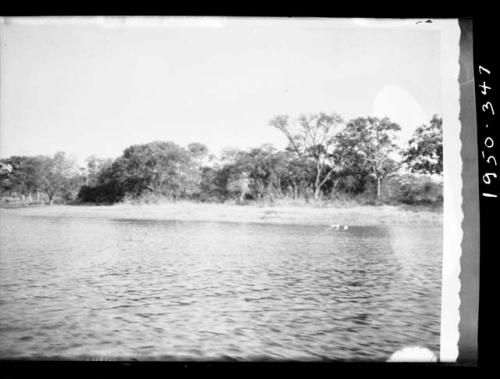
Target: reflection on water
x,y
80,287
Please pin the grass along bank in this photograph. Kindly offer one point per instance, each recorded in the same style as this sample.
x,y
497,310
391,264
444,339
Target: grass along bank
x,y
282,214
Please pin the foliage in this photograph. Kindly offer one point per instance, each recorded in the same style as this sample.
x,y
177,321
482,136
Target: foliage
x,y
238,185
313,138
367,145
425,149
322,161
56,176
61,177
198,153
159,167
27,174
95,166
410,189
212,184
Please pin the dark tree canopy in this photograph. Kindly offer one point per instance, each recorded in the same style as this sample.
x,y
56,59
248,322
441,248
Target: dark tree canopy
x,y
52,176
425,149
158,167
368,143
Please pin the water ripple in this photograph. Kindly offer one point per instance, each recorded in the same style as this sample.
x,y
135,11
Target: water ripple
x,y
180,290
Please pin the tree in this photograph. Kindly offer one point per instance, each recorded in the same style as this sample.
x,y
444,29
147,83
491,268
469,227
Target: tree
x,y
108,188
5,169
298,176
198,153
425,149
239,185
210,186
95,166
259,166
262,167
230,154
370,142
162,168
313,138
353,172
56,176
27,175
61,173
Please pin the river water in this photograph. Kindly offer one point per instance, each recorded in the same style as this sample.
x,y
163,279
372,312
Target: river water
x,y
84,288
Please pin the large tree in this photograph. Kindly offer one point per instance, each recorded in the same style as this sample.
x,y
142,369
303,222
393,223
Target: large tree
x,y
162,168
198,152
312,138
261,166
54,176
425,149
298,176
21,175
370,143
95,166
28,175
62,177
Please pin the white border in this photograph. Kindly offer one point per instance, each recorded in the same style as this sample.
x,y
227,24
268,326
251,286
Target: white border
x,y
452,208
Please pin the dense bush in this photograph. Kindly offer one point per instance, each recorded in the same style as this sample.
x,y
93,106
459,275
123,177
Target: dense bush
x,y
410,189
99,194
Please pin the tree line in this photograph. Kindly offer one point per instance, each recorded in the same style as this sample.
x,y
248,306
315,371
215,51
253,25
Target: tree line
x,y
325,158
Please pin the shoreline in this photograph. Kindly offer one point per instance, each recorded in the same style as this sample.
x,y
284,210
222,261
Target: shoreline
x,y
364,215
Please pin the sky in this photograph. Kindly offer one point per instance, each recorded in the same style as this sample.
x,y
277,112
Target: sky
x,y
98,85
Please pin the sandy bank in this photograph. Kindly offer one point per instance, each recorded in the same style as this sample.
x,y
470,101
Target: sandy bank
x,y
301,215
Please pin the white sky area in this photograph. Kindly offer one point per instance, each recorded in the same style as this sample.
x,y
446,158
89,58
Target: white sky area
x,y
97,86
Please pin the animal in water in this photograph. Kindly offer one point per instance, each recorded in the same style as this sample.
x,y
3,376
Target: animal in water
x,y
413,354
338,227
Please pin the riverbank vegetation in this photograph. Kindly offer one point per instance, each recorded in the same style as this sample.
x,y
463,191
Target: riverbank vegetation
x,y
327,161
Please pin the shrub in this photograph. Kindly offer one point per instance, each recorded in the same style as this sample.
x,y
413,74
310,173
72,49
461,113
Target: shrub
x,y
100,194
410,189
